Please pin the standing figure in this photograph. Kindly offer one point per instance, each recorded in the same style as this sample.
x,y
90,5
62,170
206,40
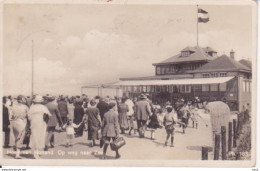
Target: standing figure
x,y
6,124
130,114
170,119
19,121
78,117
94,122
69,127
54,119
103,107
36,115
110,128
122,112
195,115
63,109
154,123
143,112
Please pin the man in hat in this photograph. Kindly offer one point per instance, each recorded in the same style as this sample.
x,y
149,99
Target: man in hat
x,y
142,112
54,119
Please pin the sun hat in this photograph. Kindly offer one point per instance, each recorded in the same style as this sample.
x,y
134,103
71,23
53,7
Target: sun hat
x,y
38,99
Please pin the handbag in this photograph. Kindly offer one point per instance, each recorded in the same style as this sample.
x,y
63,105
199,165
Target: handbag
x,y
117,143
46,118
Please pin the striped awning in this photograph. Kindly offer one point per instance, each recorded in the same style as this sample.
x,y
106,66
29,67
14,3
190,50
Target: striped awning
x,y
195,81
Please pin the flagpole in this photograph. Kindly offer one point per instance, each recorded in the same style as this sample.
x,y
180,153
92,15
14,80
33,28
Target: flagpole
x,y
197,26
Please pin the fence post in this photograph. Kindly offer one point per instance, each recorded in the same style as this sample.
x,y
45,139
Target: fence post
x,y
234,132
229,136
217,146
204,151
223,142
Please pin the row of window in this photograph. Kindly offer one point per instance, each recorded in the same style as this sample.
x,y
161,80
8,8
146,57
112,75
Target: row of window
x,y
247,86
214,74
168,69
174,88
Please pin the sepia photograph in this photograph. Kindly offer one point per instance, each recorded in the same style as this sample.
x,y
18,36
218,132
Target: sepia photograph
x,y
129,83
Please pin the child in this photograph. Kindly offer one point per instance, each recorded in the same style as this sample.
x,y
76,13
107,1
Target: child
x,y
195,115
154,123
70,131
169,121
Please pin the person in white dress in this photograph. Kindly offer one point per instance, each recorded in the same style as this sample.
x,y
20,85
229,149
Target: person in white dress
x,y
19,121
38,125
130,114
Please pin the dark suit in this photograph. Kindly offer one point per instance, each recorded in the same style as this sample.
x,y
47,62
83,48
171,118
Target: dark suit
x,y
110,124
53,121
142,113
63,108
6,124
103,108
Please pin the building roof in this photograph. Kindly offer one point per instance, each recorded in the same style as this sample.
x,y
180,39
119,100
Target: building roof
x,y
246,63
222,63
199,54
160,77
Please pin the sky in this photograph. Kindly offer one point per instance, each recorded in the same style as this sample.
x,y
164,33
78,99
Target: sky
x,y
86,44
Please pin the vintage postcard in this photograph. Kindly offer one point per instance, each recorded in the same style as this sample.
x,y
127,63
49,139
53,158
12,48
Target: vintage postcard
x,y
129,83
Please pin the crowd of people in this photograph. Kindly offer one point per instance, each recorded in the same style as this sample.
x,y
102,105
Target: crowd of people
x,y
33,121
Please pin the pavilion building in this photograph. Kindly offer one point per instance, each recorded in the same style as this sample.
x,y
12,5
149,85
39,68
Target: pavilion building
x,y
195,71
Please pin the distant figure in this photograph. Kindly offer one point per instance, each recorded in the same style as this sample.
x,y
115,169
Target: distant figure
x,y
6,124
63,109
143,112
122,112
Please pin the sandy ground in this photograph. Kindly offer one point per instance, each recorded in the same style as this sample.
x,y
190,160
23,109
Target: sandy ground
x,y
186,146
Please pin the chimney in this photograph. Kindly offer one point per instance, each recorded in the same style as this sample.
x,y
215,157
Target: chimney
x,y
232,54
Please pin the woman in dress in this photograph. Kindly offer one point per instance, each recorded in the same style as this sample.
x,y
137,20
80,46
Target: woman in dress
x,y
154,123
78,117
122,111
37,114
94,122
19,119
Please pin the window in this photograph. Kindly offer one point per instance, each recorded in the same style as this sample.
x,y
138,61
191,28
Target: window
x,y
144,88
158,70
244,86
188,89
214,87
223,74
158,89
214,74
170,89
162,70
205,87
135,88
185,53
205,75
148,88
223,87
182,88
247,86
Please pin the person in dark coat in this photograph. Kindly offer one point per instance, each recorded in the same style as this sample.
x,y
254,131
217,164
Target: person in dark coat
x,y
63,108
6,124
78,117
122,112
110,128
54,119
154,123
103,107
94,122
142,112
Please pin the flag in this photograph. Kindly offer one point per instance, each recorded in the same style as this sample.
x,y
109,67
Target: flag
x,y
202,16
